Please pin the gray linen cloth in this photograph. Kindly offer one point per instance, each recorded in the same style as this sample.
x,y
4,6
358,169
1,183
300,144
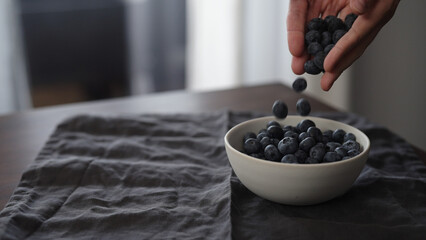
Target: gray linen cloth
x,y
168,177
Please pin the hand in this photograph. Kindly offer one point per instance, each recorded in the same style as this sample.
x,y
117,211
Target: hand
x,y
372,16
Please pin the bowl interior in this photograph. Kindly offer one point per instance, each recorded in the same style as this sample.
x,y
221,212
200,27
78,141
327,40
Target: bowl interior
x,y
235,135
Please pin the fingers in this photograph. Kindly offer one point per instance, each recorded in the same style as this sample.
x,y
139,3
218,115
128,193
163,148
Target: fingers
x,y
360,29
360,7
329,78
296,20
297,64
314,10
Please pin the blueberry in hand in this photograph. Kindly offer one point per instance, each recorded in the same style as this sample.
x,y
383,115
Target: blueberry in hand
x,y
338,34
317,24
335,24
272,153
319,60
305,124
331,157
312,36
328,48
311,68
307,143
349,20
326,39
288,145
314,47
289,158
280,109
338,135
303,107
252,145
299,84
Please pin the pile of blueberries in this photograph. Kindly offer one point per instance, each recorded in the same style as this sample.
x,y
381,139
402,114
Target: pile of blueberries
x,y
304,143
320,38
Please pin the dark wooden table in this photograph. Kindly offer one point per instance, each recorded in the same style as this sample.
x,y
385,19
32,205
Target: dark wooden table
x,y
22,135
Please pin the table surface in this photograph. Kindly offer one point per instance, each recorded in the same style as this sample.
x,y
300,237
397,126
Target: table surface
x,y
22,135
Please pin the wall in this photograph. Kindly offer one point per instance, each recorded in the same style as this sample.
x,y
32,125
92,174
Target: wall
x,y
389,80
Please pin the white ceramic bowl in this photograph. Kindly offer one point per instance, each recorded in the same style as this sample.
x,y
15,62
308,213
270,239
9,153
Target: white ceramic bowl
x,y
294,184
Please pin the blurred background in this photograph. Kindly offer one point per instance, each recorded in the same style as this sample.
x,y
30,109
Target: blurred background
x,y
65,51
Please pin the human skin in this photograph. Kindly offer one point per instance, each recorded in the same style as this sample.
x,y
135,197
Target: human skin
x,y
372,16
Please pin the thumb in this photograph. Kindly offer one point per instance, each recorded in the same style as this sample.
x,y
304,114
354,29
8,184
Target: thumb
x,y
360,7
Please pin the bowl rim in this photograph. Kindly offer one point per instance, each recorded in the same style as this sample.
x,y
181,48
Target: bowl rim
x,y
365,149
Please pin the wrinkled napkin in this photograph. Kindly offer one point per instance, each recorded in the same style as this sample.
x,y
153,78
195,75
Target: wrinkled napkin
x,y
166,176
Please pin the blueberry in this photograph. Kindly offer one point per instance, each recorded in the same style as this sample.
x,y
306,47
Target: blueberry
x,y
303,107
265,142
317,24
331,157
349,20
289,158
249,135
328,134
331,146
349,136
301,156
328,48
252,145
351,145
275,132
302,136
317,152
258,155
305,124
288,128
341,151
288,145
335,24
315,133
272,153
291,134
307,144
312,36
279,109
353,152
338,34
338,135
326,39
310,68
299,84
311,160
275,141
314,47
319,59
328,19
261,135
273,123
